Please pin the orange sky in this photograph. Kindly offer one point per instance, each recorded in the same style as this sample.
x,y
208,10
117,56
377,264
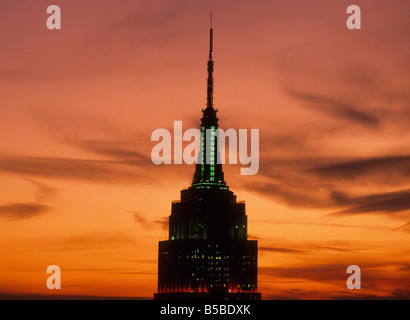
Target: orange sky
x,y
78,106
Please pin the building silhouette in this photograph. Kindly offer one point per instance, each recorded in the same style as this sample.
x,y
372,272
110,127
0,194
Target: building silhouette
x,y
208,254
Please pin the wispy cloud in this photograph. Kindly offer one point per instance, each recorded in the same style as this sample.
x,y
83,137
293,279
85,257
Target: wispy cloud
x,y
280,250
120,150
22,210
330,184
44,192
102,171
337,109
390,202
142,221
335,272
309,248
395,169
379,280
405,227
95,241
30,296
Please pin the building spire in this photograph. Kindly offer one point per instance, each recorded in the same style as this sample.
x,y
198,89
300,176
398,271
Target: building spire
x,y
211,40
210,83
208,171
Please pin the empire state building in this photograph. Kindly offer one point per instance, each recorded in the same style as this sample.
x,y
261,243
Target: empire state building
x,y
208,255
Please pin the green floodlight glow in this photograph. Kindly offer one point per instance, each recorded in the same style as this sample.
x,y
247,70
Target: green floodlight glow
x,y
208,168
212,164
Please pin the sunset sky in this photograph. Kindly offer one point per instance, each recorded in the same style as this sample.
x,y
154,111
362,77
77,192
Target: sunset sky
x,y
78,105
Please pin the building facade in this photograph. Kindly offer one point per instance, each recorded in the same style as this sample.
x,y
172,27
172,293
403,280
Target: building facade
x,y
208,254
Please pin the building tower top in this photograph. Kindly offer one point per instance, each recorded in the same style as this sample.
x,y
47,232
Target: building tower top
x,y
208,173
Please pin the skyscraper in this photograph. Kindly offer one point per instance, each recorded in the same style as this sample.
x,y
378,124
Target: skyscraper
x,y
208,254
